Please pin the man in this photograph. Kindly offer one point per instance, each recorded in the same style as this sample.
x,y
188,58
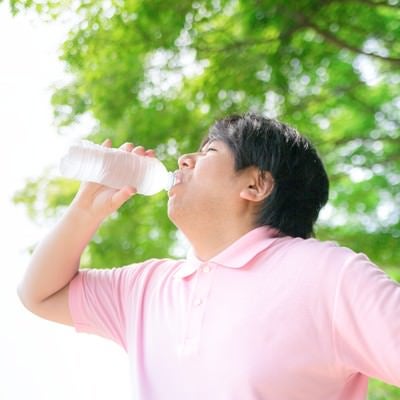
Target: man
x,y
259,309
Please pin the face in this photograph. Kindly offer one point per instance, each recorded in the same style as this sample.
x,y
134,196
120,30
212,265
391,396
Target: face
x,y
207,189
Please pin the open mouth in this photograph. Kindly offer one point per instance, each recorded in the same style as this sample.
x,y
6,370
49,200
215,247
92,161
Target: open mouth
x,y
177,177
176,180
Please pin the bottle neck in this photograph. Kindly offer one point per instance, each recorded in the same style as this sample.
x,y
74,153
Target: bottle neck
x,y
170,181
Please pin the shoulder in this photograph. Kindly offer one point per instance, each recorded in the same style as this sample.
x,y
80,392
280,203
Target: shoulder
x,y
128,274
313,251
152,266
321,262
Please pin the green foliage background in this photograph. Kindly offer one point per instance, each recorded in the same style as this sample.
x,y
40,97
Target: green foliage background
x,y
158,73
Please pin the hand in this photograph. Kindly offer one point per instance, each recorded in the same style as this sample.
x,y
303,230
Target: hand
x,y
99,201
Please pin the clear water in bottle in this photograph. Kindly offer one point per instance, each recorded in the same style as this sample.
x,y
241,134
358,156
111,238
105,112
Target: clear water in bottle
x,y
87,161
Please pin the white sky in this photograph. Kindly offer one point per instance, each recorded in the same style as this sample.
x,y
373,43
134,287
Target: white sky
x,y
39,360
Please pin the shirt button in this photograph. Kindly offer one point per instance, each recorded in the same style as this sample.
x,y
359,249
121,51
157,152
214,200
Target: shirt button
x,y
206,269
198,302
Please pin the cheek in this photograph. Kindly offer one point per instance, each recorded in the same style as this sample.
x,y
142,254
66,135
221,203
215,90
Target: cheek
x,y
210,173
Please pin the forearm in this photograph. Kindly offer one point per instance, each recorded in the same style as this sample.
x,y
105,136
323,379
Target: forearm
x,y
54,263
56,259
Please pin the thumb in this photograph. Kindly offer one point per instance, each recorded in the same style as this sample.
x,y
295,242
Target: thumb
x,y
120,197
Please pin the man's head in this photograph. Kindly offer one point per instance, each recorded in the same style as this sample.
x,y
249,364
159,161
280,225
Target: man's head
x,y
300,183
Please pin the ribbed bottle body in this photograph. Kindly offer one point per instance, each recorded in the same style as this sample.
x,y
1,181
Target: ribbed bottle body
x,y
87,161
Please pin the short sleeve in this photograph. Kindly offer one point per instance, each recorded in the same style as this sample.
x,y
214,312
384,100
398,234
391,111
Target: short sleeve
x,y
98,302
367,320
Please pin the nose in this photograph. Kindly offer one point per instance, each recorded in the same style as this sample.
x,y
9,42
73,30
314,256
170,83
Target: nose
x,y
187,161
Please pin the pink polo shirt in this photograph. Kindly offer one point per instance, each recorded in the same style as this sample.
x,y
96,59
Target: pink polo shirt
x,y
269,318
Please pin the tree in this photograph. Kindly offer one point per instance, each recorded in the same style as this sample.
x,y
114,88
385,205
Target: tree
x,y
158,73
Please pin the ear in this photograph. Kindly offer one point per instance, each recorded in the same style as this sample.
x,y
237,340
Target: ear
x,y
259,185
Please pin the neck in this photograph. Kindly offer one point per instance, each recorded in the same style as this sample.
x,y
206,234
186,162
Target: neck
x,y
208,242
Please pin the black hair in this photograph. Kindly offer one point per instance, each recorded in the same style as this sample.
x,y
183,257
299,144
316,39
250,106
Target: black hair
x,y
301,185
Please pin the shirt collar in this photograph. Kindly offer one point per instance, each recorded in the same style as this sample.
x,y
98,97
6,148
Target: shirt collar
x,y
236,255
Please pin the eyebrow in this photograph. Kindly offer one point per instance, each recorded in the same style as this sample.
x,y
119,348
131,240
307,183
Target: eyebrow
x,y
207,143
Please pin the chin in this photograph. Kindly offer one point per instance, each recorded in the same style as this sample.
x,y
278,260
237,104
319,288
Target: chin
x,y
171,210
175,214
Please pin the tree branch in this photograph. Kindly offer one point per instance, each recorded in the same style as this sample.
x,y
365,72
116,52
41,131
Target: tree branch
x,y
342,44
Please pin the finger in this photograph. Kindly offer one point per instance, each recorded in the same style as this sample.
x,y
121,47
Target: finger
x,y
121,196
107,143
150,153
139,150
90,187
127,146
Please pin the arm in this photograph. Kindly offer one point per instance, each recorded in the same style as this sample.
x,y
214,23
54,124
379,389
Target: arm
x,y
55,262
366,321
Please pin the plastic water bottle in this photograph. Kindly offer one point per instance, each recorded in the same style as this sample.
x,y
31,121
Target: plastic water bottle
x,y
87,161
